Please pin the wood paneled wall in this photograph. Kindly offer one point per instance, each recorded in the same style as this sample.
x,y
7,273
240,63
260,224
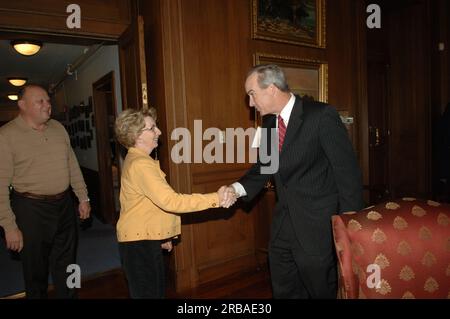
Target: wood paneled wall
x,y
198,54
440,60
99,18
194,74
440,73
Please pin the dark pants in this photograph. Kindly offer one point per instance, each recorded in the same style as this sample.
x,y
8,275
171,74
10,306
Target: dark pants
x,y
297,275
143,264
49,230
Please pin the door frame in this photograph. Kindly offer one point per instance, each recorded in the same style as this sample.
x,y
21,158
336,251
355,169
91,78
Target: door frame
x,y
108,209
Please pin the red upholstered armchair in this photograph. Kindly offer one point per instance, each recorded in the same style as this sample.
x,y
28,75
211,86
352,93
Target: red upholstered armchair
x,y
398,249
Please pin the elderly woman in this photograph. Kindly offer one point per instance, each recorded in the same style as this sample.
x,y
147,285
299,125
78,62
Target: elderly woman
x,y
147,223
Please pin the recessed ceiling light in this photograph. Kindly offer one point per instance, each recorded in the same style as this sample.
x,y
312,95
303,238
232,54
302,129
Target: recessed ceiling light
x,y
13,97
26,47
17,81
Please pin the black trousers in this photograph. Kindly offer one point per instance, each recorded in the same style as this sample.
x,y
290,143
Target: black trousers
x,y
143,264
50,238
297,275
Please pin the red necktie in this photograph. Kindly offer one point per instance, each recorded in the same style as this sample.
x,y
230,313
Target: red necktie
x,y
281,132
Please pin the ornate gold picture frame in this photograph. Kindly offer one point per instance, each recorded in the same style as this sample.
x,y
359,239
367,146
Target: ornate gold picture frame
x,y
298,22
307,78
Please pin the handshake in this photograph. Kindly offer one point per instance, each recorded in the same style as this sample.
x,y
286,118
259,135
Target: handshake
x,y
227,196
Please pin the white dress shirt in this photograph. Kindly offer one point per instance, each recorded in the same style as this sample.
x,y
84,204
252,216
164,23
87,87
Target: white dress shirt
x,y
285,115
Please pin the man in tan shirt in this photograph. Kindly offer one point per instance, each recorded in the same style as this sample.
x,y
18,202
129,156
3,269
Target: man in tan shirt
x,y
38,215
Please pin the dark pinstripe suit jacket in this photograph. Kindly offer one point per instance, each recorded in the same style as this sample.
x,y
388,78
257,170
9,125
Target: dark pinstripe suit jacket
x,y
318,174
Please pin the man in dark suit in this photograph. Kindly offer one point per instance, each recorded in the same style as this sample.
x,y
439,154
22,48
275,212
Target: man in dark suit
x,y
318,176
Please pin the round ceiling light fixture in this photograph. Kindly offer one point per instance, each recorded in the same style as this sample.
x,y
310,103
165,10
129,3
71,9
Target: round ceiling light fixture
x,y
26,47
13,97
17,81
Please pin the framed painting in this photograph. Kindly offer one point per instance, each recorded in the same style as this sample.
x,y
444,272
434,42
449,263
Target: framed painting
x,y
307,78
299,22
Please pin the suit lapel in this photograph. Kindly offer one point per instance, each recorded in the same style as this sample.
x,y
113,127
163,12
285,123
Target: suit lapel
x,y
295,121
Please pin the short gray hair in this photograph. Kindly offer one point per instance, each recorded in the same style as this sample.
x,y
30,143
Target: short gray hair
x,y
270,74
129,125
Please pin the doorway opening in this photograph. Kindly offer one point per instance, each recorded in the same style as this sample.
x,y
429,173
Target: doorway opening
x,y
109,159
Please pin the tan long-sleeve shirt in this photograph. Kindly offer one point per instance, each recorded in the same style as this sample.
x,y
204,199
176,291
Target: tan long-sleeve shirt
x,y
146,200
39,162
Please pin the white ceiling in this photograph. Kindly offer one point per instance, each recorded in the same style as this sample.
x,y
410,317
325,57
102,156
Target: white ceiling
x,y
46,67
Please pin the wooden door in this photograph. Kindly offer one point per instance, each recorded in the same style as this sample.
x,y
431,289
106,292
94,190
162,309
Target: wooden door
x,y
133,67
399,103
378,97
410,140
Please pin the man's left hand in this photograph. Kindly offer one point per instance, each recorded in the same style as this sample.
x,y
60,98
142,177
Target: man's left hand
x,y
84,209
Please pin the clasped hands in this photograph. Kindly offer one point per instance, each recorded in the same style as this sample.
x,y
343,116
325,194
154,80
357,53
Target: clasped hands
x,y
227,196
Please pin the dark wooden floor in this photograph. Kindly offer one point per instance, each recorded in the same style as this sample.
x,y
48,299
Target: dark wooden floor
x,y
252,284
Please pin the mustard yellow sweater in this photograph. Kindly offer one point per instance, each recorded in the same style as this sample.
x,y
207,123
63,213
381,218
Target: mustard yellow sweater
x,y
147,202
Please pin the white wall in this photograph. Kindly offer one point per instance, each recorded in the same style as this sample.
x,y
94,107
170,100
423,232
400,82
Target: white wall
x,y
79,88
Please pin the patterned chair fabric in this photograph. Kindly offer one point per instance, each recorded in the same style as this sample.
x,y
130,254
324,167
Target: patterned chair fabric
x,y
398,249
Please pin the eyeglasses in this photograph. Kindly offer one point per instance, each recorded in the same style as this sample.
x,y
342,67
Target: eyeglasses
x,y
153,128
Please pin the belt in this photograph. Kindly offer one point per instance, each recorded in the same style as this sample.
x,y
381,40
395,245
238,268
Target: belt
x,y
43,197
